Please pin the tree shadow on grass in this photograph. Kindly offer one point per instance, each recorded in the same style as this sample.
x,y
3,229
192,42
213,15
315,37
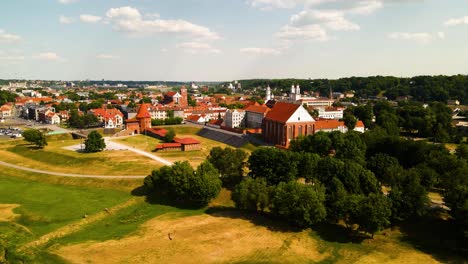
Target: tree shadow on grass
x,y
326,231
162,199
444,239
259,219
339,234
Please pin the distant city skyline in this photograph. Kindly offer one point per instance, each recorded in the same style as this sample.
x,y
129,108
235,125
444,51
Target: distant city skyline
x,y
222,40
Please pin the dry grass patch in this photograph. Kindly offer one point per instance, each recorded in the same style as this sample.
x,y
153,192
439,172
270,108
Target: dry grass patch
x,y
6,212
198,239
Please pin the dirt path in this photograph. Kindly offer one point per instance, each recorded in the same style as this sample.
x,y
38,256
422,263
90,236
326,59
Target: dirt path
x,y
2,163
76,226
111,145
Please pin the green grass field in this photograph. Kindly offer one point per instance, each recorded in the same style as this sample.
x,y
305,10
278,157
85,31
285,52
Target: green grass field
x,y
55,158
139,232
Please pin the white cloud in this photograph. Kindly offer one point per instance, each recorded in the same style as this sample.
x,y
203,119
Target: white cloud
x,y
197,47
457,21
90,18
129,19
308,32
366,7
261,51
332,19
421,37
441,35
105,56
265,4
65,20
7,37
48,56
164,50
67,1
124,12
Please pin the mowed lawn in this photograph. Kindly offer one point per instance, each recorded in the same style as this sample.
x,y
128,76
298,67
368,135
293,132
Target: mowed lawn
x,y
196,157
57,159
43,207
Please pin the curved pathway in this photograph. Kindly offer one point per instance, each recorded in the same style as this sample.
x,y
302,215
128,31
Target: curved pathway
x,y
112,145
69,174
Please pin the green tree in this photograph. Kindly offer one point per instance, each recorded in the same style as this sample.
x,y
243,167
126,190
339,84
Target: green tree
x,y
373,213
274,165
319,143
229,162
35,137
184,186
302,205
408,197
456,193
170,135
462,151
94,143
386,168
252,195
350,120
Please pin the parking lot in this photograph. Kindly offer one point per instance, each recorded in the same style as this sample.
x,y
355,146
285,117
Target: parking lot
x,y
10,132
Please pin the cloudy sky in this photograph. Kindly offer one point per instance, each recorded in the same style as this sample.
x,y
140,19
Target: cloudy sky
x,y
231,39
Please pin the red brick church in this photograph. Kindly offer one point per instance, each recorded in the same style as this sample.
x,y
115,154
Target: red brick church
x,y
287,121
141,122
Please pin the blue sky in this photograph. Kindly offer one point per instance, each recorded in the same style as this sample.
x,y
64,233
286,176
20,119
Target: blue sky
x,y
231,39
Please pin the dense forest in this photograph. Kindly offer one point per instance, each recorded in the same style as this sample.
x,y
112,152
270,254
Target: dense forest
x,y
421,88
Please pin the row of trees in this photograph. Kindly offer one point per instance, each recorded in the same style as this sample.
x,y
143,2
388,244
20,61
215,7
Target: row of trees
x,y
343,175
167,121
433,120
82,121
421,88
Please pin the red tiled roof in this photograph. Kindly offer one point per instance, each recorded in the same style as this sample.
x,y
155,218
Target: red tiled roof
x,y
193,118
257,109
186,141
168,145
158,131
143,111
328,124
171,94
360,124
282,111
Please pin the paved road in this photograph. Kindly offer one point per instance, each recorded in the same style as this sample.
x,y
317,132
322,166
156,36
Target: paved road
x,y
70,174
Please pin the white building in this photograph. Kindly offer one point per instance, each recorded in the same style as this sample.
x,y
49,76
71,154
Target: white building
x,y
235,118
331,113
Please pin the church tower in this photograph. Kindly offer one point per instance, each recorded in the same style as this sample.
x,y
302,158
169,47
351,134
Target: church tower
x,y
184,100
268,94
144,117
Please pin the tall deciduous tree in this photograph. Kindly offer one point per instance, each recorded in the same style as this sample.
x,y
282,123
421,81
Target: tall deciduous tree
x,y
183,185
374,213
229,162
274,165
94,142
35,137
170,135
252,195
302,205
